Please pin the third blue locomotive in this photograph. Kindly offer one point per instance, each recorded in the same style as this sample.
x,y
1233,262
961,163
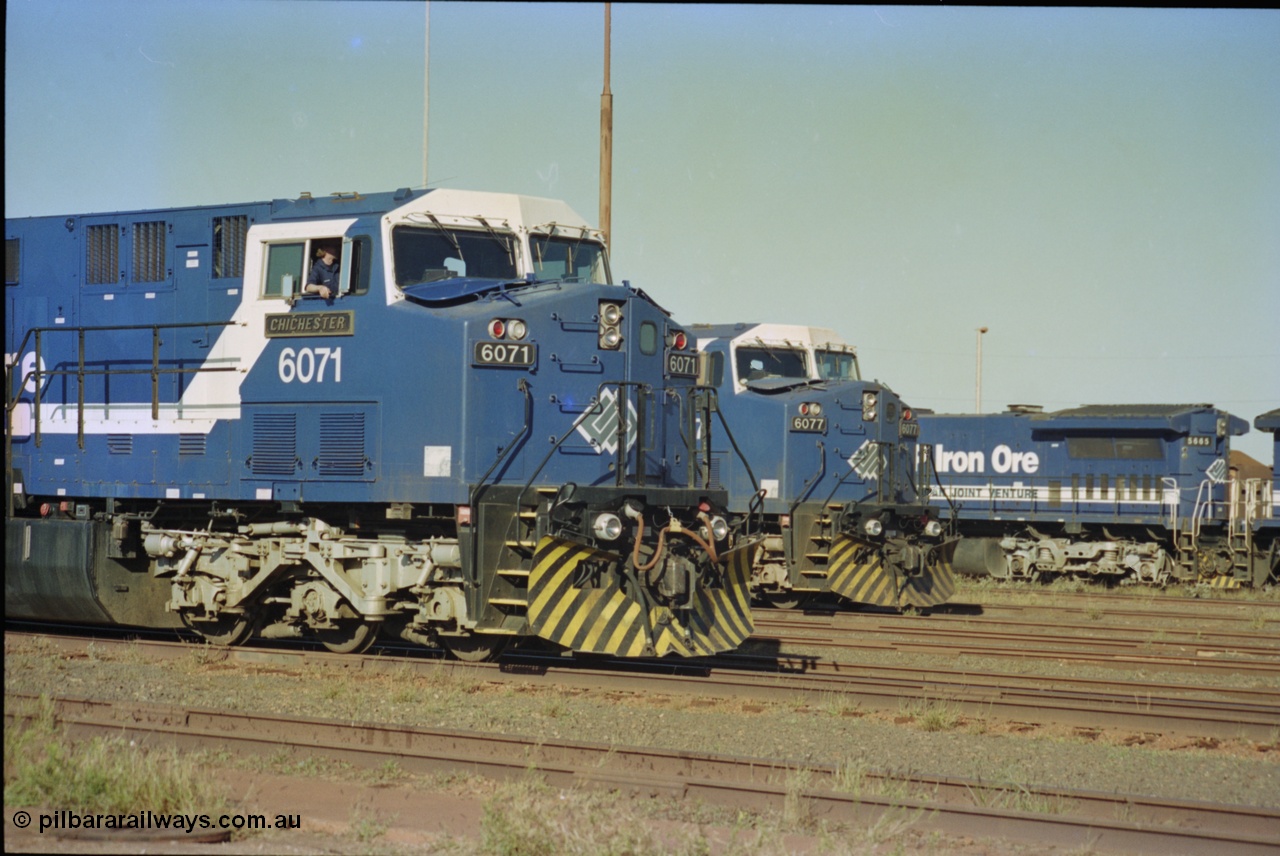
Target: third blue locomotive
x,y
1139,493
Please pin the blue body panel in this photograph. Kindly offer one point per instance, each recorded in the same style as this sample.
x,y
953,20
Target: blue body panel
x,y
1102,464
826,463
1267,525
389,405
799,461
1141,493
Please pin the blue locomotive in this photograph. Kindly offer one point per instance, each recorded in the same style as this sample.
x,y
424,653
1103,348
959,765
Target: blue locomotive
x,y
1133,493
1262,500
827,471
471,436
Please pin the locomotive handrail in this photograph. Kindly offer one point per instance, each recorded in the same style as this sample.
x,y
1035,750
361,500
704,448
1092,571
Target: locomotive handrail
x,y
1169,484
712,398
596,408
523,386
805,490
927,458
476,491
813,480
13,398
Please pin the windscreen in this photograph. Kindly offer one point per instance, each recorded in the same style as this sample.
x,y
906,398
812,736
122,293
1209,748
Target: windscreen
x,y
761,363
837,365
428,255
570,259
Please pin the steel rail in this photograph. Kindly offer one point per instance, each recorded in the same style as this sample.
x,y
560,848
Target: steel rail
x,y
951,641
1088,818
955,610
1120,660
1117,637
1125,707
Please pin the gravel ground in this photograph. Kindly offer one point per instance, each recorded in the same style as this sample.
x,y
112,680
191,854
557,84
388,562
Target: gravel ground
x,y
801,733
917,740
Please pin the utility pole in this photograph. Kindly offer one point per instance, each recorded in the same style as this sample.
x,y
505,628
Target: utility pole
x,y
978,393
606,140
426,91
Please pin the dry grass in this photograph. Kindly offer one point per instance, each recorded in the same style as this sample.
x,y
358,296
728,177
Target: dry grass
x,y
42,767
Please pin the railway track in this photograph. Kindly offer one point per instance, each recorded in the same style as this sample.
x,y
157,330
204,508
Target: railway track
x,y
950,805
1165,648
1194,711
1210,597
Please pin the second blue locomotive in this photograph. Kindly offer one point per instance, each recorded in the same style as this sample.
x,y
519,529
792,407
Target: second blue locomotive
x,y
824,465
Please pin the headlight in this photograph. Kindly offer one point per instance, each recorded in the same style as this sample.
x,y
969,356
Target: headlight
x,y
719,528
873,527
933,529
608,527
869,401
610,334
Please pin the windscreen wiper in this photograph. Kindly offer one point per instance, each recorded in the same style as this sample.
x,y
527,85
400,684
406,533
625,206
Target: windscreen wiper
x,y
505,243
453,239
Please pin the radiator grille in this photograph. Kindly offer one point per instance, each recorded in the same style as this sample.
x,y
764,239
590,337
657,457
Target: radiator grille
x,y
102,255
229,235
341,445
275,444
191,445
148,251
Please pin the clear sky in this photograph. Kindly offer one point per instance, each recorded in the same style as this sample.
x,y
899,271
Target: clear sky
x,y
1099,187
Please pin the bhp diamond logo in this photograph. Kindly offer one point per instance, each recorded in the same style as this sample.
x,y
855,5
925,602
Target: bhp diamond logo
x,y
600,428
866,461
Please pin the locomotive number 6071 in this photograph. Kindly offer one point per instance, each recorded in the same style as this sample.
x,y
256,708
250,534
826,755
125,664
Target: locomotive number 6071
x,y
505,354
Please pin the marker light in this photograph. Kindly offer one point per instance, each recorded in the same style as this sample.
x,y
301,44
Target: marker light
x,y
680,341
497,328
516,329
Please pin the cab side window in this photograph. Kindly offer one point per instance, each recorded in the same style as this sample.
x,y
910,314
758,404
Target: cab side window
x,y
285,274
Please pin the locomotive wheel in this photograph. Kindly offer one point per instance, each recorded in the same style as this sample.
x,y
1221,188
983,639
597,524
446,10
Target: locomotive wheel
x,y
227,630
784,599
351,636
475,649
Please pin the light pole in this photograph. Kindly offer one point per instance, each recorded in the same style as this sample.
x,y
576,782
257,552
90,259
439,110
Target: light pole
x,y
606,140
978,392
